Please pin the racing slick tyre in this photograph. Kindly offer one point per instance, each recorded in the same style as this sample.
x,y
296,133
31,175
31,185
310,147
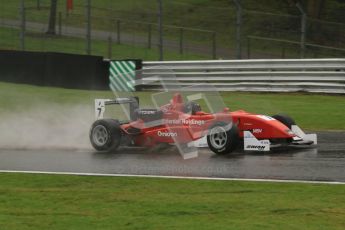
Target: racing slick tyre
x,y
223,138
105,135
286,120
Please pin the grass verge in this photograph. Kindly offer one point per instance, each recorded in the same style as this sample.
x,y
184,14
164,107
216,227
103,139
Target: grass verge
x,y
282,22
311,111
80,202
87,202
9,39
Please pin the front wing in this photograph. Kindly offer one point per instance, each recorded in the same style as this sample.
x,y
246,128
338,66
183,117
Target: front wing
x,y
251,143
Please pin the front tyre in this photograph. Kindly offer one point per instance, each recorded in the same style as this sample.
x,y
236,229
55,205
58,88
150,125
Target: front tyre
x,y
223,138
105,135
285,119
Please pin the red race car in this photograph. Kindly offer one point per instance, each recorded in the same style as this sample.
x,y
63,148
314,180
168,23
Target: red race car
x,y
186,124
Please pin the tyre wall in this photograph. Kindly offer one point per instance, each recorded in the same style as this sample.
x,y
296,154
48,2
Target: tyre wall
x,y
54,69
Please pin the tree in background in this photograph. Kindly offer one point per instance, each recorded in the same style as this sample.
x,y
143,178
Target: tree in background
x,y
52,17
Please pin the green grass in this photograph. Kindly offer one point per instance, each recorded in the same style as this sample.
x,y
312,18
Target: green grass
x,y
88,202
81,202
201,14
9,39
311,111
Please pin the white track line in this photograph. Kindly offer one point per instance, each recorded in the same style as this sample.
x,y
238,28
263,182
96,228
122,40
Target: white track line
x,y
173,177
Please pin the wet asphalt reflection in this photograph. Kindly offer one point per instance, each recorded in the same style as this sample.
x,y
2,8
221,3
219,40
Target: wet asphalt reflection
x,y
326,162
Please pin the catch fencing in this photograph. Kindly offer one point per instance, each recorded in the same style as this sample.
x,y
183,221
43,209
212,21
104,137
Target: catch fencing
x,y
262,75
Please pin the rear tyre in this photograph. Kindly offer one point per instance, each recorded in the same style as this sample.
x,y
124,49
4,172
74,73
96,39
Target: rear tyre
x,y
285,119
105,135
223,138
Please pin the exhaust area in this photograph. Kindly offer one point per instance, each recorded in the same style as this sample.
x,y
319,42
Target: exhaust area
x,y
47,127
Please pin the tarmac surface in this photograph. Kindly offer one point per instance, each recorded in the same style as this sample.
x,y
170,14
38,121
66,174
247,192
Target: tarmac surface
x,y
326,162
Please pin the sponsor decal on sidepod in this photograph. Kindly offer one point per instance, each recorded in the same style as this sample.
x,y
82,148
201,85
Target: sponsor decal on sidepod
x,y
185,122
166,134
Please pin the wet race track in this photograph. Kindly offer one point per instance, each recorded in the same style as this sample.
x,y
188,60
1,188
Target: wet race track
x,y
326,162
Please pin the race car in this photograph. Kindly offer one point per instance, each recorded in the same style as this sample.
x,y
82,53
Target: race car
x,y
183,123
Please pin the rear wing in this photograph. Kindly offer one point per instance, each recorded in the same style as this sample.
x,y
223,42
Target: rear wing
x,y
101,103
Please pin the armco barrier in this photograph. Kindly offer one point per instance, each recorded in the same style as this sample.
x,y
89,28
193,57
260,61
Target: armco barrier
x,y
267,75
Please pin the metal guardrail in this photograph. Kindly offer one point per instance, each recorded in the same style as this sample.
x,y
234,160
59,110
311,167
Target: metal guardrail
x,y
266,75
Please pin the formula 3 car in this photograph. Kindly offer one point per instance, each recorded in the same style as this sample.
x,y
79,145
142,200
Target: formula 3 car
x,y
186,123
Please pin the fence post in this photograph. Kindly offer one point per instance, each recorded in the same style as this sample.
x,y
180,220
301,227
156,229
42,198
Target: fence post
x,y
60,23
160,29
181,40
214,45
238,28
248,47
149,29
303,28
38,4
22,25
118,31
283,51
88,27
110,47
303,34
